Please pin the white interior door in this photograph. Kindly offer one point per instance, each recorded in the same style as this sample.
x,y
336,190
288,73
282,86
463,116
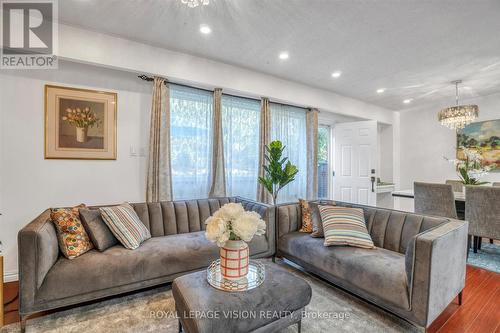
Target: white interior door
x,y
356,154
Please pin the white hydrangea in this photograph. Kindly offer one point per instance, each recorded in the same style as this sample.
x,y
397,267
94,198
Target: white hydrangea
x,y
248,225
217,231
231,221
230,211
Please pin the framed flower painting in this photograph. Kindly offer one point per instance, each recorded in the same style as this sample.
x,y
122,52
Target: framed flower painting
x,y
80,123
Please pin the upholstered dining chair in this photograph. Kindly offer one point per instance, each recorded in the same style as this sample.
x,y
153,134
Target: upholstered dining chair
x,y
482,210
456,185
434,199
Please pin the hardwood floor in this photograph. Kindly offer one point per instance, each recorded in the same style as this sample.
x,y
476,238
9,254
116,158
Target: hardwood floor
x,y
479,311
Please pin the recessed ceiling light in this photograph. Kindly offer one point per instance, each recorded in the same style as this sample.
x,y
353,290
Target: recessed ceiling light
x,y
336,74
380,90
205,29
284,55
408,101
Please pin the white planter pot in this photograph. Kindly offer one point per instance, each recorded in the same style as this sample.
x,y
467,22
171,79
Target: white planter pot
x,y
234,258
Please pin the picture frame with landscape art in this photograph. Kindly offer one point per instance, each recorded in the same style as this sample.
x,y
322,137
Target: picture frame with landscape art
x,y
80,123
483,137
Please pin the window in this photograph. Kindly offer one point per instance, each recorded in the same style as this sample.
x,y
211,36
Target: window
x,y
323,165
240,128
191,141
288,124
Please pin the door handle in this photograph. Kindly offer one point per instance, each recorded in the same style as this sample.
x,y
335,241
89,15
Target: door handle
x,y
373,183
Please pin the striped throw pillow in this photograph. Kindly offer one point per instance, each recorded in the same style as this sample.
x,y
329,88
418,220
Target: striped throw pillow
x,y
125,225
345,226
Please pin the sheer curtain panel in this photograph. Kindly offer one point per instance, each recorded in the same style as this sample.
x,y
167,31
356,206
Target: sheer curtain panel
x,y
240,128
191,112
288,124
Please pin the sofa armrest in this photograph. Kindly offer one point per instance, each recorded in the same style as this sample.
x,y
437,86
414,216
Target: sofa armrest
x,y
438,273
38,252
289,218
267,212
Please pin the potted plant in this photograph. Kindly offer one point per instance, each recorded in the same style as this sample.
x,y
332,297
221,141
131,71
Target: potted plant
x,y
279,171
470,170
231,227
82,119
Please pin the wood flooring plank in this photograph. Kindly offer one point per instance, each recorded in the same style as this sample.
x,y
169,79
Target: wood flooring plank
x,y
489,318
471,307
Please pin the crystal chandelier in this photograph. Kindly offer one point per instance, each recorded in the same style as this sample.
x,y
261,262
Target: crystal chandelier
x,y
459,116
195,3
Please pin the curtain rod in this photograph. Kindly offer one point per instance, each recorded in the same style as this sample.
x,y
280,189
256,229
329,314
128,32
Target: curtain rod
x,y
149,79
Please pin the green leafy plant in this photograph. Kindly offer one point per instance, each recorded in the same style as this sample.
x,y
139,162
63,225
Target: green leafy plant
x,y
279,171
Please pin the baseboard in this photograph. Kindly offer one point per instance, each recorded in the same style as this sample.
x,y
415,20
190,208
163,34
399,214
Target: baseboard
x,y
10,277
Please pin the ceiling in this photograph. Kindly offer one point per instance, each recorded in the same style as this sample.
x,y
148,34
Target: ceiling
x,y
412,48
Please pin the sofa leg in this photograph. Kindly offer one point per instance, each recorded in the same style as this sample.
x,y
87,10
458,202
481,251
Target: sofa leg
x,y
274,259
23,323
460,297
491,240
180,327
299,326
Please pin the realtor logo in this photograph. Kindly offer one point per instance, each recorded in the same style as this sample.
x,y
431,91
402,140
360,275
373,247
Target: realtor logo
x,y
29,34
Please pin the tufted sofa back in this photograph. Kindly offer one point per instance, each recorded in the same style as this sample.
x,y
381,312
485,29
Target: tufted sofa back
x,y
389,229
178,217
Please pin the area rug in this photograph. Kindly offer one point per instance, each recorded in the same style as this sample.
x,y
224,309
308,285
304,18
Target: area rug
x,y
488,257
330,310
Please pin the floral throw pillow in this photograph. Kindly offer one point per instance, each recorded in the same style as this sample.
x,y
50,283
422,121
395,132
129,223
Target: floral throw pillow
x,y
307,225
72,237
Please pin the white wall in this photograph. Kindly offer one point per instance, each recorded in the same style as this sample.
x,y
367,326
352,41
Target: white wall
x,y
424,142
29,184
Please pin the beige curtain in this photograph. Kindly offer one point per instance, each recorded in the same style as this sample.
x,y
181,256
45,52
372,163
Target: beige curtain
x,y
159,177
218,178
312,153
265,131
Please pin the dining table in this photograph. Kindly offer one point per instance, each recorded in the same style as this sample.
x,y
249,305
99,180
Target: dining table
x,y
459,200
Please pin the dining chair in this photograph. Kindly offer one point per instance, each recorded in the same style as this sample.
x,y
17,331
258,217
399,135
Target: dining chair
x,y
456,185
434,199
483,212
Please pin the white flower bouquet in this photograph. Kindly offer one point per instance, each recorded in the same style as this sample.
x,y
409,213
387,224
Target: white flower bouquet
x,y
471,169
231,227
232,222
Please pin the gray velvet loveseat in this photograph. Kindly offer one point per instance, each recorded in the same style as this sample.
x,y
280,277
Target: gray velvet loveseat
x,y
415,271
178,246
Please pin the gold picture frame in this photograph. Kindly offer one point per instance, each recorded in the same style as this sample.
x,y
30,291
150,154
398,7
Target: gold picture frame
x,y
80,123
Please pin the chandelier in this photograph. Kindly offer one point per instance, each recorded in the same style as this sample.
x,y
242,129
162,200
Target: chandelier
x,y
458,116
195,3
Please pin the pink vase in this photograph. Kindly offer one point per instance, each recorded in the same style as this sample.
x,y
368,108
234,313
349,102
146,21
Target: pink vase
x,y
234,260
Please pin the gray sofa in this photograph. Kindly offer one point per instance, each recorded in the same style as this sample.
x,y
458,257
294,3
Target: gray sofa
x,y
178,246
415,271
